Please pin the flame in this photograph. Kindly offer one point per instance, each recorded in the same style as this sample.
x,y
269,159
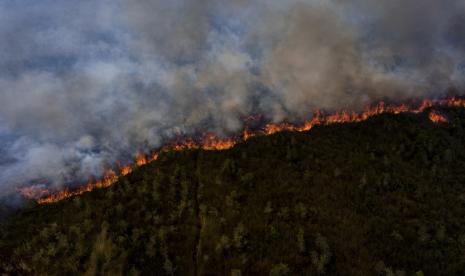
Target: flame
x,y
210,141
436,117
34,191
141,159
125,170
153,157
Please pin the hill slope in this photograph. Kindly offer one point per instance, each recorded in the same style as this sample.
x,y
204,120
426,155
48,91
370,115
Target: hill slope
x,y
383,196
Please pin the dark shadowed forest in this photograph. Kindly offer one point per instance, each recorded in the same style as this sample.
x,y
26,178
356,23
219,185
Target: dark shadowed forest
x,y
381,197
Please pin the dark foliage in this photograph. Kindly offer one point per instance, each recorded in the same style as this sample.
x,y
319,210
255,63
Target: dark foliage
x,y
382,197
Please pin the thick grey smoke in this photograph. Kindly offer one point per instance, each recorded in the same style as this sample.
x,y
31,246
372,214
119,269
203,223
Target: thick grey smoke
x,y
86,83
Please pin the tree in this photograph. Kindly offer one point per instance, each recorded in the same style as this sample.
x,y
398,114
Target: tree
x,y
280,269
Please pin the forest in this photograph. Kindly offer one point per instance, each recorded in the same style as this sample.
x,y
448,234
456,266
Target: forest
x,y
381,197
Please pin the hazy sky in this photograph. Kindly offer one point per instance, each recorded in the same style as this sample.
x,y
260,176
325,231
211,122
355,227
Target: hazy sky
x,y
85,83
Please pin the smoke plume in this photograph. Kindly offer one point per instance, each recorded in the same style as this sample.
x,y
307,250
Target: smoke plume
x,y
86,83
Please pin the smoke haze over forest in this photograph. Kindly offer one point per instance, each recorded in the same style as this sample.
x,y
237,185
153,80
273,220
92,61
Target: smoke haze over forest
x,y
86,83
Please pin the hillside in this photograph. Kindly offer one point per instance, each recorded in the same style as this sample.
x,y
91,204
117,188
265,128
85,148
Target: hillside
x,y
381,197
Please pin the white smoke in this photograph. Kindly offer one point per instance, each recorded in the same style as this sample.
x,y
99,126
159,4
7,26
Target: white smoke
x,y
86,83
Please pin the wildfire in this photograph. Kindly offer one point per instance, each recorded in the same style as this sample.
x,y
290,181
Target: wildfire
x,y
34,191
125,170
141,159
109,179
436,117
210,141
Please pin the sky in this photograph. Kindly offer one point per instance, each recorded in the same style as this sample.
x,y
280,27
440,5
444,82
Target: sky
x,y
86,83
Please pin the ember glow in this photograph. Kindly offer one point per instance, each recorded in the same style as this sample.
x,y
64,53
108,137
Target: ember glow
x,y
437,117
211,142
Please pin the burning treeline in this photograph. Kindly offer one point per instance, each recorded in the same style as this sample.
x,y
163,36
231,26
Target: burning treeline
x,y
209,141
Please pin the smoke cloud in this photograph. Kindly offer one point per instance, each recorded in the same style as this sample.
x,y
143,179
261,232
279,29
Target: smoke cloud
x,y
86,83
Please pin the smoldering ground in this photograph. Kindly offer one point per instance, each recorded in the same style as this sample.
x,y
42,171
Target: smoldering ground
x,y
86,83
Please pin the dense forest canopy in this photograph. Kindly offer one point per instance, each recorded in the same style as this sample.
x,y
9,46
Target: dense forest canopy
x,y
381,197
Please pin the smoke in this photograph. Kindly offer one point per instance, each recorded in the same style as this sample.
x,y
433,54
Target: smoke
x,y
86,83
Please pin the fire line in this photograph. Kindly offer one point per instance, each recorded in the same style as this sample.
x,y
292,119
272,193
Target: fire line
x,y
212,142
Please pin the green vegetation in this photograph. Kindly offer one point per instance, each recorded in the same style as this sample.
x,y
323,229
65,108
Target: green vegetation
x,y
382,197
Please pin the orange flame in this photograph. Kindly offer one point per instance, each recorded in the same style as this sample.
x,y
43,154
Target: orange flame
x,y
125,170
211,142
436,117
141,159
